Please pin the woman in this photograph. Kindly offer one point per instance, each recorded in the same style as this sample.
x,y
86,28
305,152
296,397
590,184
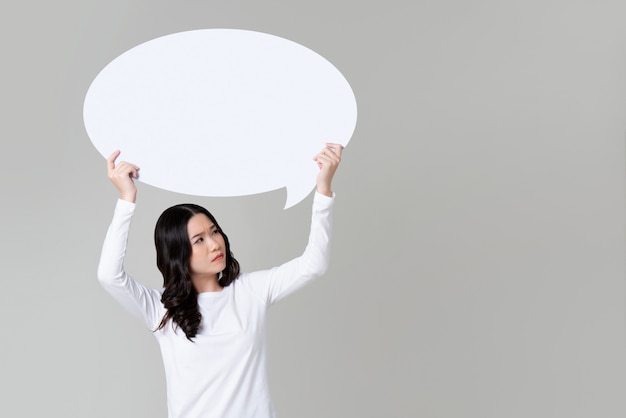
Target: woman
x,y
209,319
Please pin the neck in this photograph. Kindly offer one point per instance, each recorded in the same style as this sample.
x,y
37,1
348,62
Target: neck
x,y
206,284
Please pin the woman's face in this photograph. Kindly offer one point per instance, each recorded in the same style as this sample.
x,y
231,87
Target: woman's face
x,y
208,250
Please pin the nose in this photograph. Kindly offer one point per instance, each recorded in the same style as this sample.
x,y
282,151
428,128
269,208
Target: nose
x,y
213,244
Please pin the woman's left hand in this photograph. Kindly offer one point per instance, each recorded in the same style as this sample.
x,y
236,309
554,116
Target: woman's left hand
x,y
328,160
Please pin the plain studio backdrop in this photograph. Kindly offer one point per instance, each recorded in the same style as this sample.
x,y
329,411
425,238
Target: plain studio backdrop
x,y
479,250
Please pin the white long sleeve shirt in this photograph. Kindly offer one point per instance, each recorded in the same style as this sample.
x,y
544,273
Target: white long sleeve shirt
x,y
222,373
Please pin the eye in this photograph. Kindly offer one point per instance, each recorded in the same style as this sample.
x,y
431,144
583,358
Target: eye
x,y
199,240
215,231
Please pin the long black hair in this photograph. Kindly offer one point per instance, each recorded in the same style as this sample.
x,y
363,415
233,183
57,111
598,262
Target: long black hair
x,y
173,249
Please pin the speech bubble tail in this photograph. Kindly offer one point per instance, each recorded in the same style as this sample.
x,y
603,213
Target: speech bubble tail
x,y
296,193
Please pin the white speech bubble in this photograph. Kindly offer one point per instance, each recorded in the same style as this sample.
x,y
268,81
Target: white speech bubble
x,y
221,112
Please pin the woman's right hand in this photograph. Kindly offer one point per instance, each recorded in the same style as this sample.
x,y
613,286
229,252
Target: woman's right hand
x,y
122,176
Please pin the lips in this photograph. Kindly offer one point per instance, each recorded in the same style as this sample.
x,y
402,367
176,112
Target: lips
x,y
218,257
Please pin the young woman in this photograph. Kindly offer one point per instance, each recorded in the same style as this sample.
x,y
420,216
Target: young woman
x,y
209,318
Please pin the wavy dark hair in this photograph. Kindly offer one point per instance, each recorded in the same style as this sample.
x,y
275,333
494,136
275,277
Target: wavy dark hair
x,y
173,249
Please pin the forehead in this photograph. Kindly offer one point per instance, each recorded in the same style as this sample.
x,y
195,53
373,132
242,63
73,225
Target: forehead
x,y
198,223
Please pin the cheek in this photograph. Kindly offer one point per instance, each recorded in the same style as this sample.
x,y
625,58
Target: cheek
x,y
195,256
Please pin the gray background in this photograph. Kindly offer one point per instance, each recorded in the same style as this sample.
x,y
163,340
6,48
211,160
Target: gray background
x,y
479,250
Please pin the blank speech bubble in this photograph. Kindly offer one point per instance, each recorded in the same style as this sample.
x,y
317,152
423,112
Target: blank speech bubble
x,y
221,112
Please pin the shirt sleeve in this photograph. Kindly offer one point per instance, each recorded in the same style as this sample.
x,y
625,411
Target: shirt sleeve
x,y
274,284
139,300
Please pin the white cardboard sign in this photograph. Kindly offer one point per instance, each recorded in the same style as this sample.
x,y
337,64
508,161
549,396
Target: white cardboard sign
x,y
221,112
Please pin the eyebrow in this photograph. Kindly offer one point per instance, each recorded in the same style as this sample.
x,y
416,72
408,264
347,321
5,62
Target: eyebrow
x,y
211,228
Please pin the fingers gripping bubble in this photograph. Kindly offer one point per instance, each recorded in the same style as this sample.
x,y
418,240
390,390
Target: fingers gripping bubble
x,y
221,112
